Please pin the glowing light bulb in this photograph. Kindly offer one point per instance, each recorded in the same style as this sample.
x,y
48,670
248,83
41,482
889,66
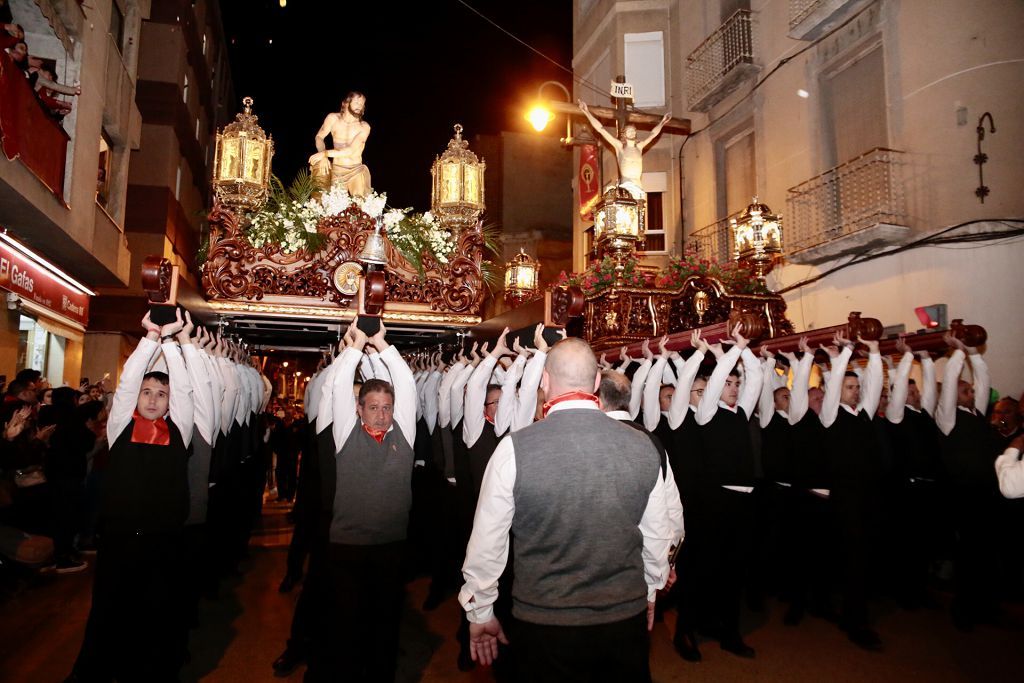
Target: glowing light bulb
x,y
539,117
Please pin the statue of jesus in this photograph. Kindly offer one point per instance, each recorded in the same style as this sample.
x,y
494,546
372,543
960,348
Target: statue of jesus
x,y
344,164
628,152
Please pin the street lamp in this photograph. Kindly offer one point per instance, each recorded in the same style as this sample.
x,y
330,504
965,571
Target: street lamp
x,y
757,234
241,166
457,196
541,114
522,275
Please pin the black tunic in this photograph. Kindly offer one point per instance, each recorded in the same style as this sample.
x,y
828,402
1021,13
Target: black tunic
x,y
145,487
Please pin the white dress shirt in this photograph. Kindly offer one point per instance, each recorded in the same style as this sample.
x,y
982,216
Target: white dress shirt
x,y
750,391
526,404
945,411
870,388
639,383
430,399
1010,471
202,393
458,393
126,397
508,404
476,395
444,394
487,551
344,401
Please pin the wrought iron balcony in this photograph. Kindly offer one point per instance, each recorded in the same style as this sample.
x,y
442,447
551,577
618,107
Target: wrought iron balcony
x,y
811,19
720,63
857,205
714,242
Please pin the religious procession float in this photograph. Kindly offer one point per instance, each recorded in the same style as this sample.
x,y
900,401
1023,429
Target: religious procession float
x,y
330,248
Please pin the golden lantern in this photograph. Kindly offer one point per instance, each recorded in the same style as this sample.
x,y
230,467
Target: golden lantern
x,y
619,221
241,164
457,198
757,234
522,279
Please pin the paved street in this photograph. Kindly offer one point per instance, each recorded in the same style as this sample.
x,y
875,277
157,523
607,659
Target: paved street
x,y
244,631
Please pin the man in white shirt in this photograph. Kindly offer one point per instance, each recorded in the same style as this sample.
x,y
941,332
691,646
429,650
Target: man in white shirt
x,y
585,499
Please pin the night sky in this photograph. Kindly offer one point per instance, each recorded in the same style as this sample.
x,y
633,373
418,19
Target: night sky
x,y
423,66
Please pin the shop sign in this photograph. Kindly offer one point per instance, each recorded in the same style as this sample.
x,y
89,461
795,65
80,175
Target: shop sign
x,y
30,280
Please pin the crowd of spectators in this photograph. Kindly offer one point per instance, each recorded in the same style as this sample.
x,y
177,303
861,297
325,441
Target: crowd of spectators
x,y
52,456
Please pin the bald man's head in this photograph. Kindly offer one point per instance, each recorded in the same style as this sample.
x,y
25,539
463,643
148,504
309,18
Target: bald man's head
x,y
615,391
570,366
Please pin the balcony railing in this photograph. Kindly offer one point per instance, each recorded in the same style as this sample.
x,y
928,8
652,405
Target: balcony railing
x,y
847,204
713,242
811,19
718,64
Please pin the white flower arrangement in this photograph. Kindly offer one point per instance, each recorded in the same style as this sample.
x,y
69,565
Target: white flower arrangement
x,y
291,217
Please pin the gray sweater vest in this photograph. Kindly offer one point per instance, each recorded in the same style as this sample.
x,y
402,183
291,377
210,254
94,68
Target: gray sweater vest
x,y
582,484
373,489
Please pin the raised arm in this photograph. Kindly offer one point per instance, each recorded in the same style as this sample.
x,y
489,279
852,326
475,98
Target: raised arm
x,y
639,383
476,395
325,404
834,385
898,393
708,405
202,389
526,406
126,396
459,394
598,128
343,400
982,381
798,399
444,394
945,412
766,403
430,399
655,132
929,392
508,403
750,390
652,390
684,382
403,383
871,380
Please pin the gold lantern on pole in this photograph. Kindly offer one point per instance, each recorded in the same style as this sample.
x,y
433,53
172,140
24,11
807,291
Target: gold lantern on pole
x,y
522,278
457,198
757,234
241,166
618,222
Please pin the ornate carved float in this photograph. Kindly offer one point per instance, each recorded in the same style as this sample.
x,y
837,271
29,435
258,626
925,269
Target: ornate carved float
x,y
241,278
623,316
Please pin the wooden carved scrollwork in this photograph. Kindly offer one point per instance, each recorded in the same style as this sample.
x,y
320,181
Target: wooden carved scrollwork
x,y
622,315
235,269
156,279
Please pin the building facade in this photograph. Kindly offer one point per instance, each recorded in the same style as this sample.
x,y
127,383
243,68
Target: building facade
x,y
858,121
184,95
529,197
63,184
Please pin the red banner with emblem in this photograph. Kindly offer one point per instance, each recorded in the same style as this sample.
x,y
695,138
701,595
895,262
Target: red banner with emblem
x,y
589,182
30,280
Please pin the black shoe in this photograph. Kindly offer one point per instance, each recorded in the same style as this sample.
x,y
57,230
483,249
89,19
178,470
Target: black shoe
x,y
465,661
865,638
685,643
736,646
287,584
288,662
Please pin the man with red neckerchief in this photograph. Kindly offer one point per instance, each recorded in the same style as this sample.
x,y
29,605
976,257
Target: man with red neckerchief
x,y
584,498
133,633
370,499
